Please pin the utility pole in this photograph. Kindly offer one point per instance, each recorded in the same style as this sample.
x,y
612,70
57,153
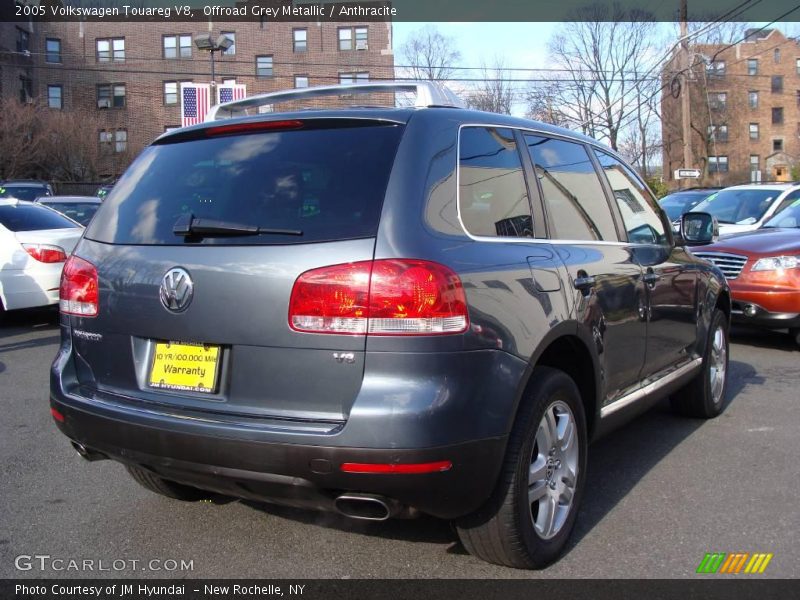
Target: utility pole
x,y
688,159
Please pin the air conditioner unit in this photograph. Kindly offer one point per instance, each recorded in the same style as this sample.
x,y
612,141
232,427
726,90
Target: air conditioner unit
x,y
361,45
28,99
104,103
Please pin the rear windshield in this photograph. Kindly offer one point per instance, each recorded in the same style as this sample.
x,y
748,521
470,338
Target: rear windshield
x,y
30,217
82,212
326,183
23,192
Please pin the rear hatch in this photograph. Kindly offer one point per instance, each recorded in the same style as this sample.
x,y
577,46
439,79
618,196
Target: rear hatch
x,y
193,304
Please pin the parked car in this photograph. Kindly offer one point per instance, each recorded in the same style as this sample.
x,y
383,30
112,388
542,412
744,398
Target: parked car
x,y
763,270
254,312
680,202
25,189
77,208
34,244
747,207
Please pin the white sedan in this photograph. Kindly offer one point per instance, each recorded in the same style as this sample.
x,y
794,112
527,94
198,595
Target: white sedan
x,y
35,241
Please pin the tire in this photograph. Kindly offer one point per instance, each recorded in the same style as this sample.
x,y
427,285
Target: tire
x,y
503,530
704,396
795,333
165,487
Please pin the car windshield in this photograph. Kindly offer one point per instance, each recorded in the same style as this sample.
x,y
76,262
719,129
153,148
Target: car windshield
x,y
316,184
740,206
32,217
23,192
82,212
788,217
680,202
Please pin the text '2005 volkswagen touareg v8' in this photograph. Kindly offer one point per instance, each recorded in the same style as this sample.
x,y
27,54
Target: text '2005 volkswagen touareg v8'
x,y
382,312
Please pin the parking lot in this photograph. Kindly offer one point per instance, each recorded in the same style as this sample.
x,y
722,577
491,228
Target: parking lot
x,y
661,493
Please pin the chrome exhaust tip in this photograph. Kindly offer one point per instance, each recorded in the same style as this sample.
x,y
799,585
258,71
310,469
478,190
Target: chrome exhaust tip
x,y
87,454
367,507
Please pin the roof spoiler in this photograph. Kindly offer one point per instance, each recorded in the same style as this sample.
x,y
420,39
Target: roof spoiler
x,y
428,93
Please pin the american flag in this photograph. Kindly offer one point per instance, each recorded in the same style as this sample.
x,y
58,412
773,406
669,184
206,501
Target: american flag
x,y
231,92
195,102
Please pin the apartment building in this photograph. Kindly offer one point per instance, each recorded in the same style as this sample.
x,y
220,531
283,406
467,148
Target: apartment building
x,y
126,76
744,107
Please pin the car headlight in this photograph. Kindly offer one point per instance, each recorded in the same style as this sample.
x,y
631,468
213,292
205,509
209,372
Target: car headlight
x,y
775,263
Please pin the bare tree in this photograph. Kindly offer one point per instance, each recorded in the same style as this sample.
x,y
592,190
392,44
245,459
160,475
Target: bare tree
x,y
429,55
23,139
495,93
605,58
72,153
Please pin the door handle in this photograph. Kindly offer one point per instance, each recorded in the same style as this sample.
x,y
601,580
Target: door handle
x,y
584,283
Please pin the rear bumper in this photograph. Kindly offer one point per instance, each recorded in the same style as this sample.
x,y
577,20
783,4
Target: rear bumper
x,y
291,463
290,474
31,288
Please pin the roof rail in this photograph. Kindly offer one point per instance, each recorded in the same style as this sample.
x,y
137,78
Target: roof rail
x,y
428,93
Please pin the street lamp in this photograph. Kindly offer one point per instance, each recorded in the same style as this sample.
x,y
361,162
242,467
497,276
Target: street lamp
x,y
204,41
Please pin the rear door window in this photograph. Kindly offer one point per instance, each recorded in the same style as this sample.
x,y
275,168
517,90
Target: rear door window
x,y
492,196
30,217
572,192
328,183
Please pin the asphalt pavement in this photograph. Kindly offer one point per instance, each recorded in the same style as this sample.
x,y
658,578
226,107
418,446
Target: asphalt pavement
x,y
662,491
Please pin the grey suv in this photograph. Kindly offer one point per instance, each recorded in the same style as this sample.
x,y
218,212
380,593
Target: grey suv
x,y
382,312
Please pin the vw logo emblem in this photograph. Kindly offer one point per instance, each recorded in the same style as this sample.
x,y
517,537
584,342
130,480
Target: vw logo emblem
x,y
176,290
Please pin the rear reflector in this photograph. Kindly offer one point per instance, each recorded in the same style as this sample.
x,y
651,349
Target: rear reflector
x,y
253,127
57,415
389,468
45,253
79,289
382,297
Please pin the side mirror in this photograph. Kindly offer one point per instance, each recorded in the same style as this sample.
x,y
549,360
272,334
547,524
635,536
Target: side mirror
x,y
699,228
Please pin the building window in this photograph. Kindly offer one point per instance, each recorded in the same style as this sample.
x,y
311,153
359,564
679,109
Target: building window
x,y
717,164
777,145
113,141
55,95
777,116
300,40
263,66
231,35
753,131
23,40
111,95
718,100
25,89
177,46
301,81
353,77
716,69
752,66
718,133
755,172
777,84
797,65
347,35
776,55
752,99
172,91
53,50
109,49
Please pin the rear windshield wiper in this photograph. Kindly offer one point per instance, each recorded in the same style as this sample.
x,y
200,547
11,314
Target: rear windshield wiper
x,y
188,226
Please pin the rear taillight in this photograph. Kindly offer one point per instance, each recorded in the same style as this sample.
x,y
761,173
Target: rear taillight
x,y
79,294
46,254
382,297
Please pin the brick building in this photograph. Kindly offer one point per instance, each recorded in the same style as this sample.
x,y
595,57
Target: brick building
x,y
745,111
125,76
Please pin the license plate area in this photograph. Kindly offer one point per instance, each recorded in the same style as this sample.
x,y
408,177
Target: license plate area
x,y
185,367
